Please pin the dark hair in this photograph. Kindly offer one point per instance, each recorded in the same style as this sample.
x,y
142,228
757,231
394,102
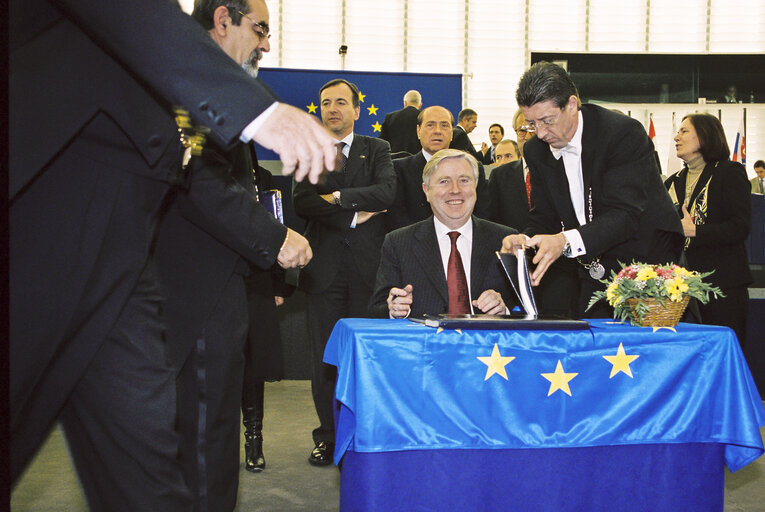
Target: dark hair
x,y
545,81
421,115
204,10
711,135
759,163
466,112
501,130
351,86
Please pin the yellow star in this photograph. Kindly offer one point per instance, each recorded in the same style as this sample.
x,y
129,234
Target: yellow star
x,y
372,110
312,108
361,97
496,363
670,328
438,331
377,126
621,362
559,380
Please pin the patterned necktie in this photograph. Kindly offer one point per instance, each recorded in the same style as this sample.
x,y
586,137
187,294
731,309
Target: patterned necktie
x,y
528,187
456,282
762,186
341,158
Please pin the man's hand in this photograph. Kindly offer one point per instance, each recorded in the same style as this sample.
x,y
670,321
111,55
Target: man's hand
x,y
362,217
689,227
484,148
278,300
304,146
400,301
490,302
295,252
549,249
512,243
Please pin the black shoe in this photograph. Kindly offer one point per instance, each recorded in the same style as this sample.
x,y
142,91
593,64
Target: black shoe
x,y
253,454
322,454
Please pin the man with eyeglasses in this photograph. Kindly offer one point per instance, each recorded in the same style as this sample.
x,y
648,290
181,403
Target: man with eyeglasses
x,y
596,194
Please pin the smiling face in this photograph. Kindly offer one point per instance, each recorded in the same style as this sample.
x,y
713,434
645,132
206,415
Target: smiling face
x,y
435,131
451,191
337,111
554,125
687,142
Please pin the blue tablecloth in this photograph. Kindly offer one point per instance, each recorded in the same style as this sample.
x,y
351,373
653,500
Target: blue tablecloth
x,y
403,386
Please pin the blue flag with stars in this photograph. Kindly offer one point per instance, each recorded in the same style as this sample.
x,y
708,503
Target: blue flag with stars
x,y
379,93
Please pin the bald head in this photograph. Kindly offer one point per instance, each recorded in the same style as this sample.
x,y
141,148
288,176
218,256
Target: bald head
x,y
413,99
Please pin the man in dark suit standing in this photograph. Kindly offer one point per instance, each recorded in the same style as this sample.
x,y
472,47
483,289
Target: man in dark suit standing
x,y
417,270
91,163
467,119
345,231
211,233
434,129
496,133
596,194
400,127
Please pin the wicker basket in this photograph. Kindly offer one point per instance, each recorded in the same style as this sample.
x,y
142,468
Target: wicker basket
x,y
667,315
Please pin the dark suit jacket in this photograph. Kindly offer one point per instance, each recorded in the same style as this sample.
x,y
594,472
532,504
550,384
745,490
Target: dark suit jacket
x,y
631,208
508,203
719,242
460,140
368,184
411,205
411,255
487,158
400,129
116,78
207,234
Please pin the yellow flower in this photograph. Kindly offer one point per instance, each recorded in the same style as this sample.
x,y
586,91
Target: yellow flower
x,y
682,272
611,293
646,273
675,288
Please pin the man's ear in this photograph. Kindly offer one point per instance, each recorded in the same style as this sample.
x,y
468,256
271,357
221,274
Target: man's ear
x,y
221,20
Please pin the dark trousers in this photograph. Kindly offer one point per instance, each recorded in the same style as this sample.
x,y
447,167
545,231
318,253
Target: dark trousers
x,y
346,297
136,468
209,393
730,311
85,336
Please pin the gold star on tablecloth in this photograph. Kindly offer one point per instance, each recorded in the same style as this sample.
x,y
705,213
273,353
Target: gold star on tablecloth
x,y
559,380
496,363
312,108
668,328
620,362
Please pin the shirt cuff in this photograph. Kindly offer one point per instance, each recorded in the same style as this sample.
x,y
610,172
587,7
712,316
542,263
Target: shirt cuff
x,y
575,241
355,217
251,129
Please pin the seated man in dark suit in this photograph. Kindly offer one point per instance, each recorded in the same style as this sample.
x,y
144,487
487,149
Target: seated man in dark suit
x,y
434,129
400,127
439,264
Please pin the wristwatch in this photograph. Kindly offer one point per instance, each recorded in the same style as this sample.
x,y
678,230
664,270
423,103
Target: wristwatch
x,y
336,195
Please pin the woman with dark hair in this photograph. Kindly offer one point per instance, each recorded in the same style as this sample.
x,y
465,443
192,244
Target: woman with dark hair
x,y
712,195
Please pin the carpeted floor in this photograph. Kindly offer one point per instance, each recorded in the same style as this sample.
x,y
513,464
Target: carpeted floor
x,y
289,483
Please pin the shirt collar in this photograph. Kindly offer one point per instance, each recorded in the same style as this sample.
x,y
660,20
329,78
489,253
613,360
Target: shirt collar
x,y
575,144
348,141
427,155
465,230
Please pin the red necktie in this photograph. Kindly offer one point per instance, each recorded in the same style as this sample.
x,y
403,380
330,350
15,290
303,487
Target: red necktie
x,y
456,282
528,187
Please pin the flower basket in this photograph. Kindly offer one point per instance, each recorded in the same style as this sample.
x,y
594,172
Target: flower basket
x,y
658,314
654,295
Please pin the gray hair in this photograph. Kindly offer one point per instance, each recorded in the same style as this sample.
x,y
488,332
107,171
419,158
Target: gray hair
x,y
446,154
413,97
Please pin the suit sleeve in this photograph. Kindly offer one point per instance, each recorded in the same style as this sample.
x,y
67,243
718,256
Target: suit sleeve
x,y
388,276
219,205
736,208
309,204
378,195
397,217
169,51
483,202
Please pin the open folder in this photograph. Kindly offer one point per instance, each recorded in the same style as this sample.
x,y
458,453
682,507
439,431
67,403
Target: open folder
x,y
517,271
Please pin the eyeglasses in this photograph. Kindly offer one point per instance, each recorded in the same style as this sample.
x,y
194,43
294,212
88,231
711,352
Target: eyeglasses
x,y
544,122
259,27
526,128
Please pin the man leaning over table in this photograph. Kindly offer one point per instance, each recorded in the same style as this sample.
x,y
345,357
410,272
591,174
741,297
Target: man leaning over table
x,y
424,271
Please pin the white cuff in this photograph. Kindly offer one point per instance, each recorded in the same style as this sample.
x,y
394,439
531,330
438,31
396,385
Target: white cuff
x,y
355,217
251,129
575,241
